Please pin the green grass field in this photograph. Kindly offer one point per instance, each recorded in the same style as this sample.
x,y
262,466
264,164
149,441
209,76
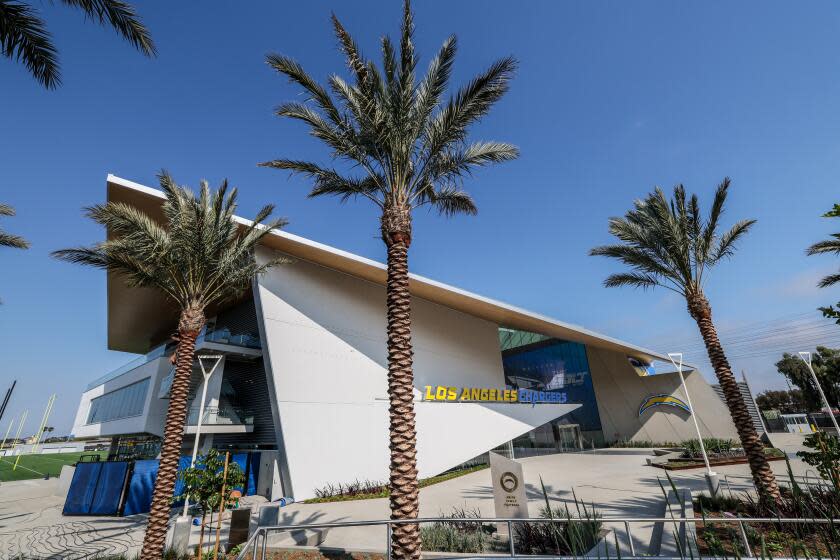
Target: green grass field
x,y
38,466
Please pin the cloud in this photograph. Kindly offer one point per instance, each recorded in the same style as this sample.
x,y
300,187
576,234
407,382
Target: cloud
x,y
802,284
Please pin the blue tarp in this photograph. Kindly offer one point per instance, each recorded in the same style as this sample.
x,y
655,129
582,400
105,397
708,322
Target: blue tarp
x,y
82,489
139,498
109,489
96,488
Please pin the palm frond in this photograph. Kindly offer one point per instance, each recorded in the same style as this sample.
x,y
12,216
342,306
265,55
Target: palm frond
x,y
829,280
296,74
24,37
411,144
450,201
8,239
726,247
827,246
355,60
634,279
122,17
13,241
666,242
471,103
198,256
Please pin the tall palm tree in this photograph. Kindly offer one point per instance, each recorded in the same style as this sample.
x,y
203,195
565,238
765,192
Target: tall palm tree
x,y
409,147
830,246
668,243
198,258
24,36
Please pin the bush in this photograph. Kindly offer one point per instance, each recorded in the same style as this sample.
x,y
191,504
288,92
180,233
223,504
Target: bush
x,y
714,446
572,536
355,488
466,535
825,457
719,503
644,444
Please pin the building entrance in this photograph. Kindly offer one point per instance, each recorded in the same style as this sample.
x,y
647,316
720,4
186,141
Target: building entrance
x,y
567,437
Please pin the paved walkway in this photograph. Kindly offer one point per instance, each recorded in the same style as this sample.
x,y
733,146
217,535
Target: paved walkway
x,y
617,482
31,524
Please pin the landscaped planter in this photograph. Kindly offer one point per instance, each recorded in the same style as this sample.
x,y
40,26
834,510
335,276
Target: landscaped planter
x,y
693,463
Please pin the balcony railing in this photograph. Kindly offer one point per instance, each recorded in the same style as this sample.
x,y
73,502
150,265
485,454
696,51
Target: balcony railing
x,y
125,368
221,416
223,335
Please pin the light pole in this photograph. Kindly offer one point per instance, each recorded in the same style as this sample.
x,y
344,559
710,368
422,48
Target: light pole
x,y
711,476
206,374
806,357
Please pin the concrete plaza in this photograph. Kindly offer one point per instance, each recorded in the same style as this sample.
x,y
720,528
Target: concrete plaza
x,y
617,481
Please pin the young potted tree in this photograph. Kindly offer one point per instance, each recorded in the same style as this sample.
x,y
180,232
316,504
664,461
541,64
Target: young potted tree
x,y
206,484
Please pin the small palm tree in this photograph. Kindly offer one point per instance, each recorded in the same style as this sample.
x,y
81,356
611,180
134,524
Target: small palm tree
x,y
410,147
24,37
198,258
667,243
830,246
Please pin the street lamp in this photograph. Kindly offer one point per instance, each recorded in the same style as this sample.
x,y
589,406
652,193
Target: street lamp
x,y
711,476
806,357
206,374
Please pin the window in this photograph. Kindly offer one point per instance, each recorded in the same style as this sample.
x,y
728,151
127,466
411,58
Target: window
x,y
122,403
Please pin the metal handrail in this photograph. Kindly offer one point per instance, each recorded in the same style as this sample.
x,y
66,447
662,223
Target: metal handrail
x,y
262,532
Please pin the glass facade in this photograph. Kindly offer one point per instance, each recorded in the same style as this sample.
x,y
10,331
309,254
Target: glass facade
x,y
534,361
124,402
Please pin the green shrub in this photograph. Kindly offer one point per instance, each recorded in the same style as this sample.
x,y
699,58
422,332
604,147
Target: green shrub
x,y
825,457
719,503
714,446
465,534
571,536
644,444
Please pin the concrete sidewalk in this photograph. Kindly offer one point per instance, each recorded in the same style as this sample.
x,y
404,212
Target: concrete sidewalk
x,y
617,482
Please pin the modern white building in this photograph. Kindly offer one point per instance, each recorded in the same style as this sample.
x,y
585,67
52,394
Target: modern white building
x,y
303,376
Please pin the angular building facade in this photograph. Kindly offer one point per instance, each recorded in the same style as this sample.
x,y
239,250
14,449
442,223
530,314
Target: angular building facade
x,y
302,377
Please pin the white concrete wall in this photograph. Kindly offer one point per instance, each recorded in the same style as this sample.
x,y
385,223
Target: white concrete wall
x,y
154,408
620,392
326,349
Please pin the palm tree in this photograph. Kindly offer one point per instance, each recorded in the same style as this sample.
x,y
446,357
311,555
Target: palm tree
x,y
668,243
410,148
198,258
831,246
24,36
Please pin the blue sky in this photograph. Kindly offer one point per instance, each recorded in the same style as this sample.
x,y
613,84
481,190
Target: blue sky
x,y
610,100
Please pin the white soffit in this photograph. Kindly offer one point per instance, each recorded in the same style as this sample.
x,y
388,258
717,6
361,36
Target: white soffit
x,y
137,317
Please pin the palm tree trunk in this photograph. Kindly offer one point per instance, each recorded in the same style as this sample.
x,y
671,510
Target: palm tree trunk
x,y
404,488
763,477
189,326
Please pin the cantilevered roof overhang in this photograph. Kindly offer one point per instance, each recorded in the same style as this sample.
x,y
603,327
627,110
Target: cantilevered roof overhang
x,y
139,318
